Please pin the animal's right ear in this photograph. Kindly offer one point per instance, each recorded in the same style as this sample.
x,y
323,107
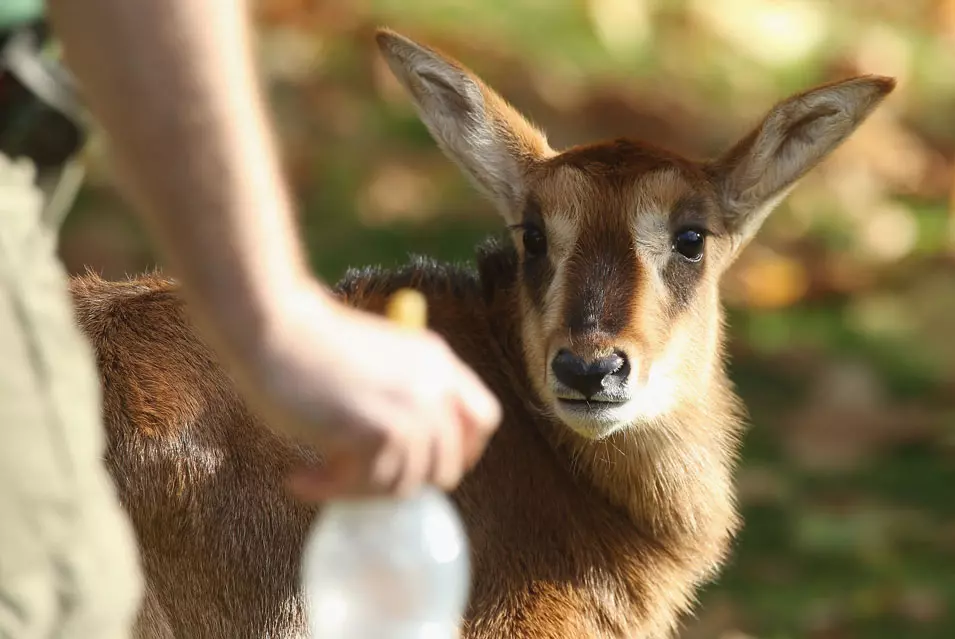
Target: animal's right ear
x,y
472,124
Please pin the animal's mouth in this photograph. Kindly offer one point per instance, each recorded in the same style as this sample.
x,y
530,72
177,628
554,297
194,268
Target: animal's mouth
x,y
593,417
590,404
606,399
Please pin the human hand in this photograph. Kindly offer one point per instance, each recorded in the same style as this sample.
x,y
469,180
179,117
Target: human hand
x,y
389,408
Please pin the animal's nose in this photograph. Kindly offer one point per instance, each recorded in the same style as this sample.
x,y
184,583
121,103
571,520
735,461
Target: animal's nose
x,y
589,378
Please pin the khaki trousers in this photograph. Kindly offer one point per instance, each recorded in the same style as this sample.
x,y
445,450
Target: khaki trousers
x,y
69,565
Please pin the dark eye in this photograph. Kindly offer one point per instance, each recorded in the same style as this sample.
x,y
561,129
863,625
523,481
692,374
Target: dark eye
x,y
535,242
689,244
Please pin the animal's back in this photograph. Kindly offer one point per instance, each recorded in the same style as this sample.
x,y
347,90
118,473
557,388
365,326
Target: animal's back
x,y
199,477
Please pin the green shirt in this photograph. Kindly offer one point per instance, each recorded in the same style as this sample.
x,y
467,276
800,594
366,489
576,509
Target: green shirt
x,y
16,12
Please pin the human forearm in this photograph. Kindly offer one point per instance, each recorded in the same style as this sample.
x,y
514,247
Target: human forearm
x,y
173,84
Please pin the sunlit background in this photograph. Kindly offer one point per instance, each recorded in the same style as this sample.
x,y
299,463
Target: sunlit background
x,y
842,312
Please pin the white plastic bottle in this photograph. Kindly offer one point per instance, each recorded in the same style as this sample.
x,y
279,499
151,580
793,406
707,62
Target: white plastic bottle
x,y
388,568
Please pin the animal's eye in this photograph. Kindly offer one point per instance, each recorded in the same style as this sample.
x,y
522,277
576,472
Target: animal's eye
x,y
689,244
535,242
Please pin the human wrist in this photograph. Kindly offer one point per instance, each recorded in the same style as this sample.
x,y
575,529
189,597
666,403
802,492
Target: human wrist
x,y
265,344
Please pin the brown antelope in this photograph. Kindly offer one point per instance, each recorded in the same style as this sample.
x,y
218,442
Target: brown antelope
x,y
606,498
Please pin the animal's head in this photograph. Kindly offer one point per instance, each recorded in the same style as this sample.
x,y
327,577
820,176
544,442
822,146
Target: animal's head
x,y
622,245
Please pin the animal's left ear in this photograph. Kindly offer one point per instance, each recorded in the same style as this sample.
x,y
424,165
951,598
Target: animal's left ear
x,y
757,173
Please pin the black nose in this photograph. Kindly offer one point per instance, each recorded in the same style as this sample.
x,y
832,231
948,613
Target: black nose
x,y
588,379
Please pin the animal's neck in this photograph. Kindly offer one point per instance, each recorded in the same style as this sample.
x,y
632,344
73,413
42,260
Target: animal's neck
x,y
673,479
674,486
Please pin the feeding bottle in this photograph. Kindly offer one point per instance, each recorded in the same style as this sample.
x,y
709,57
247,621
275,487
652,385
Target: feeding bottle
x,y
388,568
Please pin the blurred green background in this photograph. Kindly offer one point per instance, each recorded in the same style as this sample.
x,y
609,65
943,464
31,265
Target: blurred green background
x,y
842,312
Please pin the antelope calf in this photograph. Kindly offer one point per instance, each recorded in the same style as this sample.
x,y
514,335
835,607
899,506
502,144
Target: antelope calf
x,y
606,498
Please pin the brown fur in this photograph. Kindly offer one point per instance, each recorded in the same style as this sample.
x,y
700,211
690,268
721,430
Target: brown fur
x,y
573,532
220,538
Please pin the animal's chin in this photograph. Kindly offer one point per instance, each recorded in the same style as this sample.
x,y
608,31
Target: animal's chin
x,y
592,419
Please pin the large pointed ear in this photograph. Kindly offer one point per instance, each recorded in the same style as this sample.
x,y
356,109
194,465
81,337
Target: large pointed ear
x,y
796,135
475,127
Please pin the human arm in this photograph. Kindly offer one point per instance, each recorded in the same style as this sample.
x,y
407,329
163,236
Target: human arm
x,y
173,85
